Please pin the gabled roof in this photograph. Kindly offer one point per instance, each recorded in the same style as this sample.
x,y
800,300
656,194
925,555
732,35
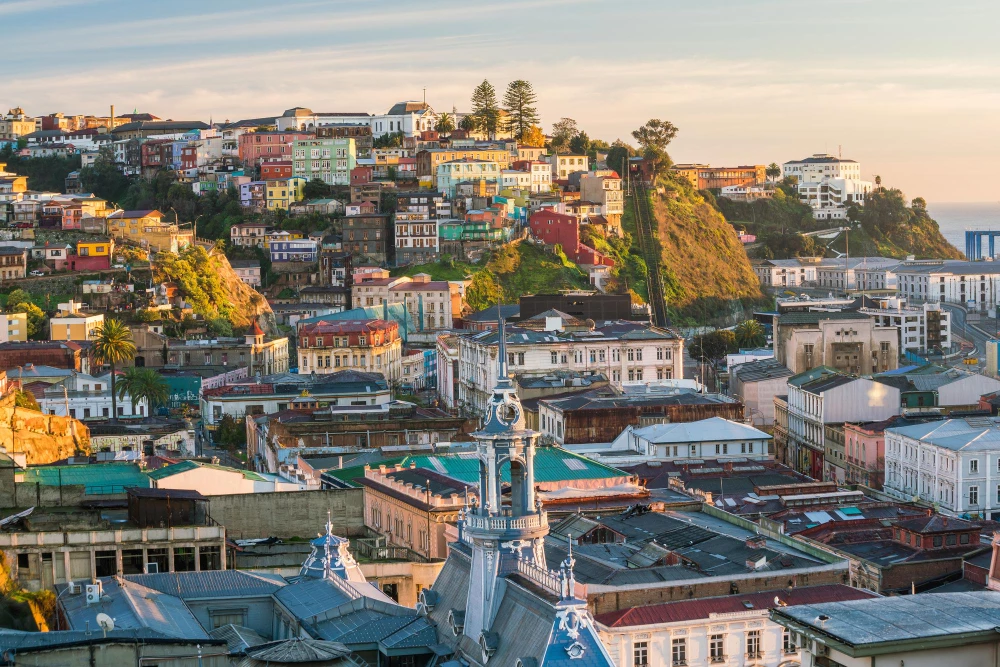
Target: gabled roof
x,y
713,429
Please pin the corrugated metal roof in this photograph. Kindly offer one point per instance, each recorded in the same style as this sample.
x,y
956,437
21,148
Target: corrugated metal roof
x,y
211,583
94,477
689,610
186,466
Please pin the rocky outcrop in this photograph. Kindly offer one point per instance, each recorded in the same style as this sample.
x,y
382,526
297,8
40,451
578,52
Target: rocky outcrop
x,y
41,438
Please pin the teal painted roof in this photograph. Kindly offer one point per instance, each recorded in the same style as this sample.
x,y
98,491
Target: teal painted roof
x,y
96,478
185,466
552,464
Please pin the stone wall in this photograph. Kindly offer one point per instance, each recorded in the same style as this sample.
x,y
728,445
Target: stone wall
x,y
290,514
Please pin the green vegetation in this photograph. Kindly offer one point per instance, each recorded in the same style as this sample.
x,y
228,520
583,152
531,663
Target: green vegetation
x,y
713,346
630,273
750,334
485,110
144,384
519,102
508,272
46,174
25,399
706,275
231,434
885,226
20,301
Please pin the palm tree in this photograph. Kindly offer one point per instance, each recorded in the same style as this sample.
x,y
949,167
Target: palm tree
x,y
750,334
773,171
113,346
143,383
878,182
445,123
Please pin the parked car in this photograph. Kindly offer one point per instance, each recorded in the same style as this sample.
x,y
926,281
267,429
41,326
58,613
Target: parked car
x,y
37,273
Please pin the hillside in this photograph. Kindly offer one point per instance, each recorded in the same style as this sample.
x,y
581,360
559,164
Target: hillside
x,y
885,226
706,273
43,438
509,271
207,281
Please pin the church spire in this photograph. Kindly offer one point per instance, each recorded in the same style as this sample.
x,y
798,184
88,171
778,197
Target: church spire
x,y
501,345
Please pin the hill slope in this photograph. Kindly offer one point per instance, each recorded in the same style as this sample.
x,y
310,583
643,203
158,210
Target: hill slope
x,y
706,273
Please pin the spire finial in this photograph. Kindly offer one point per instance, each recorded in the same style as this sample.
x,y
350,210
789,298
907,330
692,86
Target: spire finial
x,y
502,350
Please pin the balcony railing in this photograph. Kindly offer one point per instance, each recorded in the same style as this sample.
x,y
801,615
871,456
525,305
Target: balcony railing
x,y
530,522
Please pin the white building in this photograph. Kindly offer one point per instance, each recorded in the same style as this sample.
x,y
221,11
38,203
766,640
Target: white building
x,y
301,118
732,630
564,165
87,397
969,284
828,184
713,438
416,238
621,351
921,328
216,480
540,176
409,117
513,179
756,383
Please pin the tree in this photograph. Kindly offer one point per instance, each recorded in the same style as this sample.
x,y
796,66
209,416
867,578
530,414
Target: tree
x,y
534,137
35,318
618,156
750,334
230,433
103,178
519,101
878,182
485,108
16,296
445,123
316,189
143,384
467,124
773,171
653,138
113,346
580,144
713,346
562,131
391,140
918,204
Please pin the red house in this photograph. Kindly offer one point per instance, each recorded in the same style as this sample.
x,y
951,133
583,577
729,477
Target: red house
x,y
361,175
275,169
558,228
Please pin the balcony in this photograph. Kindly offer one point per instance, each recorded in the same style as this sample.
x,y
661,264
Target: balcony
x,y
506,523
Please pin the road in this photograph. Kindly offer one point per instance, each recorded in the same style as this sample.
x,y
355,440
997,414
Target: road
x,y
969,331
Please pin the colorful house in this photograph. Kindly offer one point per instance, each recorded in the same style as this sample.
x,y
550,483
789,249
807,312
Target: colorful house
x,y
282,193
564,230
148,229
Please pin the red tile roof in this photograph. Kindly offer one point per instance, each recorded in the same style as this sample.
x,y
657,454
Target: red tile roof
x,y
689,610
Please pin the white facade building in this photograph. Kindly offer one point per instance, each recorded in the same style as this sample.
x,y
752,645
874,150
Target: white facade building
x,y
828,184
564,165
921,328
85,397
970,284
713,438
954,464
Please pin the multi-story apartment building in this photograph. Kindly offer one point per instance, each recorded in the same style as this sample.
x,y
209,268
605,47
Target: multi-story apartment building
x,y
369,236
362,135
828,184
818,400
416,226
465,170
428,161
294,250
922,328
564,165
954,464
15,124
250,234
256,147
705,177
328,159
854,273
433,304
971,284
369,346
849,342
13,327
272,169
248,270
605,190
301,118
621,351
283,192
71,323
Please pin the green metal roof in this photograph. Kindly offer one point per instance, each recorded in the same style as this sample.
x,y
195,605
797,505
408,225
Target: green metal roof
x,y
96,478
552,464
185,466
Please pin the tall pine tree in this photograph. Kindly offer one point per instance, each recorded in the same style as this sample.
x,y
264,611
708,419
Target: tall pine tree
x,y
519,102
485,108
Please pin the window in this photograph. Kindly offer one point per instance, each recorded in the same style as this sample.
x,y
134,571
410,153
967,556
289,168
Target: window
x,y
678,652
222,617
963,538
753,644
640,654
973,495
973,466
951,540
554,357
787,645
716,648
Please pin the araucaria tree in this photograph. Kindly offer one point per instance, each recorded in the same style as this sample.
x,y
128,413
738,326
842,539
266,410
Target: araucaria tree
x,y
653,138
485,108
519,102
113,345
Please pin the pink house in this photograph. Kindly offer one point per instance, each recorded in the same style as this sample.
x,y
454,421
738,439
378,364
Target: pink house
x,y
562,229
864,448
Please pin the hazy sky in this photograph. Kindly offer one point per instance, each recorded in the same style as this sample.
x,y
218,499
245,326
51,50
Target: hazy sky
x,y
907,87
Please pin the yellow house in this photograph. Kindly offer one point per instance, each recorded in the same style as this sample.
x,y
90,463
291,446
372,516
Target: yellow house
x,y
283,192
13,327
70,323
89,248
147,228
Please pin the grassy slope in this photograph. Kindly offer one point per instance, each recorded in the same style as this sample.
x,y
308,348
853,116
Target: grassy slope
x,y
707,275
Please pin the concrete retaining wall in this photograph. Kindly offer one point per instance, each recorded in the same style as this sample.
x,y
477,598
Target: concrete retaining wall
x,y
290,514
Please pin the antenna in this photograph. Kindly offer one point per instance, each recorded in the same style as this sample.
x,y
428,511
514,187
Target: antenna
x,y
106,623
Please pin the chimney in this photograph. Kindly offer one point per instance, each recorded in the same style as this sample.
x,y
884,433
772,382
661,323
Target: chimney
x,y
112,123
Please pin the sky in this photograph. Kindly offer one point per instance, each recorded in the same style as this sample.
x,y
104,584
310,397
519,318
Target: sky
x,y
909,88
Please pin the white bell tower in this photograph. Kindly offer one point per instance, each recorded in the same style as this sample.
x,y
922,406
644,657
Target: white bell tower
x,y
503,537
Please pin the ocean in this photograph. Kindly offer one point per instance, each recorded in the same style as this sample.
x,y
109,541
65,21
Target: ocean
x,y
954,219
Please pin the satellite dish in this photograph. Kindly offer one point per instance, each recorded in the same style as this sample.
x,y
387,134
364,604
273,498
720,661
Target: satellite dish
x,y
106,623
